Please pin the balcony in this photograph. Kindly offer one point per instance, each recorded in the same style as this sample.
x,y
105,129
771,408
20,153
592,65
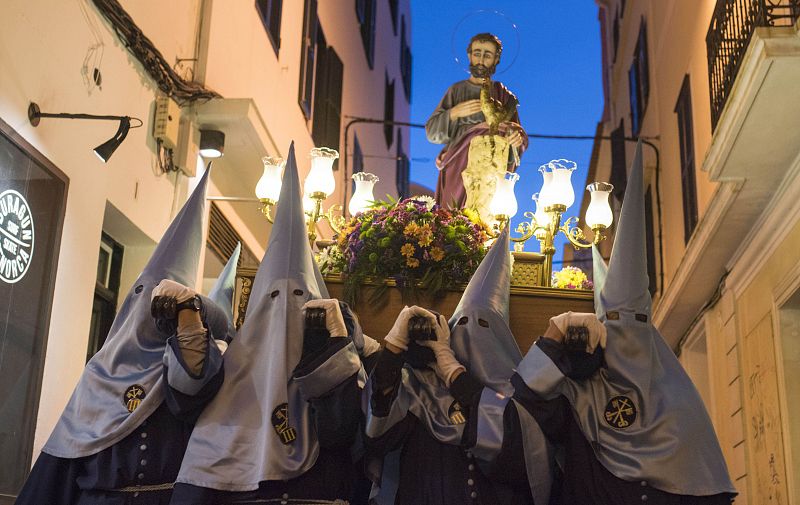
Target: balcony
x,y
754,70
732,26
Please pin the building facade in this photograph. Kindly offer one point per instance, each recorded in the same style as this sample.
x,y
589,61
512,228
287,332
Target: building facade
x,y
711,86
76,231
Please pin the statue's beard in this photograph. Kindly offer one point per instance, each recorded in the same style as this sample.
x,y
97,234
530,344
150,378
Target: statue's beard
x,y
481,71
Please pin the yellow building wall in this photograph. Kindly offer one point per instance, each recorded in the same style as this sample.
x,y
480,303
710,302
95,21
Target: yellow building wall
x,y
747,395
755,315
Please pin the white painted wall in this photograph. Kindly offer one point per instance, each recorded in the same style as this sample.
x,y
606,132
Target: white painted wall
x,y
42,48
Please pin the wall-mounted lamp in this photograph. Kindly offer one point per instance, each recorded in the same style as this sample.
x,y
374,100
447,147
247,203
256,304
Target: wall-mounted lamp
x,y
212,143
104,150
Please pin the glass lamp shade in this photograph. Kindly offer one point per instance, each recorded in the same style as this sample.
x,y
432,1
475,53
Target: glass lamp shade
x,y
308,204
504,203
562,192
320,178
542,219
269,186
599,211
546,193
360,201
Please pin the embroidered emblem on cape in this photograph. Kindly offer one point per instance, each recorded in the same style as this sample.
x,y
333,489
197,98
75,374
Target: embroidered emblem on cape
x,y
133,397
280,421
455,413
620,412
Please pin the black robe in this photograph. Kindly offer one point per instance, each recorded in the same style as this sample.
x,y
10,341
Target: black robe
x,y
585,480
150,456
337,418
435,473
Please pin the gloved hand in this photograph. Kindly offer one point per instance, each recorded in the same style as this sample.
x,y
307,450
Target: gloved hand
x,y
334,322
398,335
447,365
597,331
170,288
371,346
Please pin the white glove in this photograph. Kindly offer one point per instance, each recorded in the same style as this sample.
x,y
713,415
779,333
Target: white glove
x,y
446,363
334,322
597,331
173,289
371,346
398,335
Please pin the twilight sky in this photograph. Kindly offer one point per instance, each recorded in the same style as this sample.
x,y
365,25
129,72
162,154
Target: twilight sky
x,y
556,77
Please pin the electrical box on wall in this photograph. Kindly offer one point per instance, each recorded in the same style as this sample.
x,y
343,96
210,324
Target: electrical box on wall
x,y
166,122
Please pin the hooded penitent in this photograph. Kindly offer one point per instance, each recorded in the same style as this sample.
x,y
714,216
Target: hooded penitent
x,y
641,413
123,383
483,343
222,291
258,427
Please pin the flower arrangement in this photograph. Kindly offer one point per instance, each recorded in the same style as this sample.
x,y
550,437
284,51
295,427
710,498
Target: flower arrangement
x,y
571,278
413,241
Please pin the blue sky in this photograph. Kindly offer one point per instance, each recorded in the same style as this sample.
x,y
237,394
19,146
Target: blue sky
x,y
556,77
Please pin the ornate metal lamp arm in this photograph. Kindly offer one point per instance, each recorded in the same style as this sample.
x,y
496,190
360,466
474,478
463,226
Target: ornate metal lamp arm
x,y
336,221
574,234
266,209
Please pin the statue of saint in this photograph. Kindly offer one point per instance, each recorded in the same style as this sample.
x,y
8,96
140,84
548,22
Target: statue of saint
x,y
478,122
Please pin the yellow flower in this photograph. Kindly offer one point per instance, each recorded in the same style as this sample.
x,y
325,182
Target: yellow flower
x,y
411,229
407,249
412,262
425,235
437,253
472,215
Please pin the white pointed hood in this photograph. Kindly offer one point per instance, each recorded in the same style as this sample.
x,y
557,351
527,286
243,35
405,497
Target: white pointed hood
x,y
626,284
259,413
640,412
480,335
98,414
223,290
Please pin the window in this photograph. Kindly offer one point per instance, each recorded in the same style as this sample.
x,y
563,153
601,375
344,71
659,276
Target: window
x,y
402,169
365,12
388,111
393,6
106,293
650,241
405,61
33,196
327,114
619,165
789,338
639,81
685,134
308,55
270,13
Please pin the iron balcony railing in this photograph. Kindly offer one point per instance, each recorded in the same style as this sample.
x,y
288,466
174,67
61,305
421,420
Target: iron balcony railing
x,y
732,27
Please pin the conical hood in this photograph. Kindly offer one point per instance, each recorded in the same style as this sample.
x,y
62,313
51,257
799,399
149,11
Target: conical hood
x,y
479,331
222,292
599,273
490,285
626,284
289,254
259,408
121,385
178,252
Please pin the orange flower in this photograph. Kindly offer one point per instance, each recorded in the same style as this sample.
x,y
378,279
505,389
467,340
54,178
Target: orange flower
x,y
425,235
437,253
412,262
411,229
407,249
